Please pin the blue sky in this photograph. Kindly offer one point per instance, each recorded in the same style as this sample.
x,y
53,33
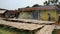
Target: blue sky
x,y
14,4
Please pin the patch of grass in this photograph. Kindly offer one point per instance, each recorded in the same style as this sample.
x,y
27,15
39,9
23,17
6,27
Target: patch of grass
x,y
6,30
55,31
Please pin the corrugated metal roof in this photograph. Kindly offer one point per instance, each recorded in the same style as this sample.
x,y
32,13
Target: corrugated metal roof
x,y
2,11
11,11
39,8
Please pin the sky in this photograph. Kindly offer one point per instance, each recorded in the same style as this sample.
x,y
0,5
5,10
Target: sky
x,y
15,4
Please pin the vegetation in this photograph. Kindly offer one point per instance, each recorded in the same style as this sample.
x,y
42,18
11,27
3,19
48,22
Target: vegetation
x,y
46,3
55,31
36,5
27,6
7,30
54,2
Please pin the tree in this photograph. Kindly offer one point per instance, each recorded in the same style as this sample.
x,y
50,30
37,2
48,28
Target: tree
x,y
59,2
45,3
36,5
54,2
28,7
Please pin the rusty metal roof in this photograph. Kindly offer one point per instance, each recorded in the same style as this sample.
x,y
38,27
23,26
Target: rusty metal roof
x,y
2,9
38,8
11,11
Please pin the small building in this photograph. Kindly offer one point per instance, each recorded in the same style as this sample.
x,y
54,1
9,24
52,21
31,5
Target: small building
x,y
11,14
39,13
2,12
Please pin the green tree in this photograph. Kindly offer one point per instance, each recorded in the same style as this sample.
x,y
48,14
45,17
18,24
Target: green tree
x,y
36,5
46,3
59,2
56,1
51,1
28,7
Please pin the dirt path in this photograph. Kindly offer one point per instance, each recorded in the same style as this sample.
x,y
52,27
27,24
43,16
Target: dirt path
x,y
58,24
58,31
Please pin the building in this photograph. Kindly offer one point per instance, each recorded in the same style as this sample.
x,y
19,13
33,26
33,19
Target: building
x,y
1,12
11,14
40,13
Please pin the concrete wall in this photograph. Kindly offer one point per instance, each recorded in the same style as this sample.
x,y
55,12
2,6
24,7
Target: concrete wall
x,y
24,15
44,15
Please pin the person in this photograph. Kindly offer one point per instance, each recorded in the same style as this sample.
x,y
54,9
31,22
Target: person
x,y
49,17
58,19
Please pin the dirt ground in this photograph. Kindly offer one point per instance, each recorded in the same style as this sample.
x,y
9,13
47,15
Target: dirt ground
x,y
58,25
58,31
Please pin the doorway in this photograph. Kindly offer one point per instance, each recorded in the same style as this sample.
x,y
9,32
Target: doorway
x,y
58,18
35,15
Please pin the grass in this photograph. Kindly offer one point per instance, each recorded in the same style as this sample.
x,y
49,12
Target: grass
x,y
55,31
6,30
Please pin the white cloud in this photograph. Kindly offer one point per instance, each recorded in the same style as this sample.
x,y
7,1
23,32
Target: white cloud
x,y
14,4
